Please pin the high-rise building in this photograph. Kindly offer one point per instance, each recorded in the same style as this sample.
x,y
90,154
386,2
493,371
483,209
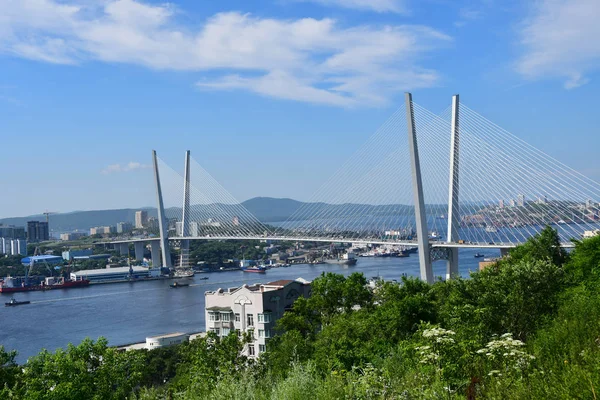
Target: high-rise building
x,y
501,204
4,245
152,223
12,232
141,219
37,231
18,247
123,227
521,200
511,202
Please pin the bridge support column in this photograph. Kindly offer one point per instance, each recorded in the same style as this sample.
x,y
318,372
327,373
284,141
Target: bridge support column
x,y
139,251
162,224
155,253
124,249
421,221
453,215
452,263
185,220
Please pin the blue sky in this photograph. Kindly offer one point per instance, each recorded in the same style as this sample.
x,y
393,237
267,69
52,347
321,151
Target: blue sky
x,y
272,95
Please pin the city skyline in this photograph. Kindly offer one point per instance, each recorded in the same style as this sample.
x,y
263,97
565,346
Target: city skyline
x,y
101,102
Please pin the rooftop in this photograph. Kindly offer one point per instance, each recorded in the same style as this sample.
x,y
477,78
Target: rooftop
x,y
168,335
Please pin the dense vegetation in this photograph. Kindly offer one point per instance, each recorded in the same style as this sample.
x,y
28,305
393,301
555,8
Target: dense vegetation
x,y
526,328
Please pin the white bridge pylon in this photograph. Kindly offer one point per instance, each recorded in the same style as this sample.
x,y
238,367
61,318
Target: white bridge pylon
x,y
458,181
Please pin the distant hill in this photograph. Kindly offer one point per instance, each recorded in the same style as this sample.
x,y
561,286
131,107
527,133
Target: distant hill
x,y
266,209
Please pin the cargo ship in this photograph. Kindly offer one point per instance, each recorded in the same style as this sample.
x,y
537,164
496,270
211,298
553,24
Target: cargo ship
x,y
260,270
12,285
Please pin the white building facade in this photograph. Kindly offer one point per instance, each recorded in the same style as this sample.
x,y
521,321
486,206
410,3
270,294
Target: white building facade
x,y
252,310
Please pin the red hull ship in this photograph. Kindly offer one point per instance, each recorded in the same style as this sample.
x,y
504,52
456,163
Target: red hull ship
x,y
59,285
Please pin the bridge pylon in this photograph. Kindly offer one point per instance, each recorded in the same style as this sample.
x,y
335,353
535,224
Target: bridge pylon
x,y
420,217
453,186
162,224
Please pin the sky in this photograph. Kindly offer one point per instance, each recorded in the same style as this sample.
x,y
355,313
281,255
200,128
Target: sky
x,y
271,96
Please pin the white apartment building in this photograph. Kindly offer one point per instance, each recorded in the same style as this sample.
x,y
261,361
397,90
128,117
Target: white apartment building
x,y
252,309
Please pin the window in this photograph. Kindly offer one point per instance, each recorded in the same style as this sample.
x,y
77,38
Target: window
x,y
226,331
267,333
261,333
213,316
251,333
226,317
262,348
217,331
237,317
250,319
251,350
264,318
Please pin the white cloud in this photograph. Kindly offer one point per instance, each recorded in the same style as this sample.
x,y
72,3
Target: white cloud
x,y
397,6
311,60
130,166
466,15
561,41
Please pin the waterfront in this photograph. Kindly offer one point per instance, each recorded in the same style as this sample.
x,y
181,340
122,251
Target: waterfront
x,y
127,313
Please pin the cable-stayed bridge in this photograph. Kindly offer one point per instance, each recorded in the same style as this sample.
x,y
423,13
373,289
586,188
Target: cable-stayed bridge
x,y
436,181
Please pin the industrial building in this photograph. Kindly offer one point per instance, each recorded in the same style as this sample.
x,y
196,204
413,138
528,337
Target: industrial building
x,y
115,274
252,309
70,254
51,260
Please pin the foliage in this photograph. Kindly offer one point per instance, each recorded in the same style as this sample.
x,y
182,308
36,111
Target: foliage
x,y
526,328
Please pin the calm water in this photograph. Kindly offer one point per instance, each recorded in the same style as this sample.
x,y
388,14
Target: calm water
x,y
127,313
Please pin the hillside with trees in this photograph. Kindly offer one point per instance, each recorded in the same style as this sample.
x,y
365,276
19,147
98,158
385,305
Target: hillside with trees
x,y
527,327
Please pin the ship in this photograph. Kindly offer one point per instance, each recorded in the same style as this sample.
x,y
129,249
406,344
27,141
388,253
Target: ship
x,y
178,285
491,229
255,269
345,259
13,302
184,273
478,255
11,285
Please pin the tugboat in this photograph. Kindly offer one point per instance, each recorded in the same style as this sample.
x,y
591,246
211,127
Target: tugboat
x,y
176,285
479,255
13,302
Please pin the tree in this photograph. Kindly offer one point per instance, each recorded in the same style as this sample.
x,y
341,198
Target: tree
x,y
584,264
543,246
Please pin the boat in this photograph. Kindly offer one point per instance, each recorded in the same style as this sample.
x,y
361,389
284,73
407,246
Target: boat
x,y
491,229
403,253
479,255
346,259
12,285
255,269
178,284
13,302
184,273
